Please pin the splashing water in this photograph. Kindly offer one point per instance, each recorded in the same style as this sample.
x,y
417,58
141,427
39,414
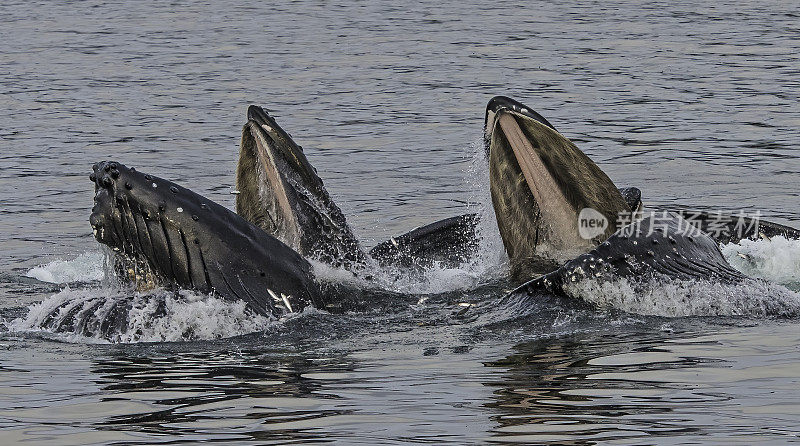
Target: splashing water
x,y
87,267
776,259
487,264
93,315
675,298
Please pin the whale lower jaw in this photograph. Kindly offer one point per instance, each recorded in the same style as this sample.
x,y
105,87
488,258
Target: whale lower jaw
x,y
280,192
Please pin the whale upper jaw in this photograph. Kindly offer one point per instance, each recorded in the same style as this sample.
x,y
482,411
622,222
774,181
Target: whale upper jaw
x,y
191,242
540,183
280,192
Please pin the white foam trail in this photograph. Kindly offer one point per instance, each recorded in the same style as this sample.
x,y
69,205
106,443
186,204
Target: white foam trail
x,y
675,298
157,316
191,316
87,267
776,259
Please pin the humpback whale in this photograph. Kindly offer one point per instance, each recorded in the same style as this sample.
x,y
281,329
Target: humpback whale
x,y
165,234
281,193
541,184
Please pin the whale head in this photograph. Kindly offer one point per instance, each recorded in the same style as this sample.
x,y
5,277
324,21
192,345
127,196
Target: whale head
x,y
280,192
167,234
551,201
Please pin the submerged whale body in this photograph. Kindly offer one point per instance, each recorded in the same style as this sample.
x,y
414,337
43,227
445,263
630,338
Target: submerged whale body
x,y
661,245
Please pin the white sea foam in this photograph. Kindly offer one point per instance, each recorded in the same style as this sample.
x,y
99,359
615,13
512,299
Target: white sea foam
x,y
87,267
776,259
674,298
156,316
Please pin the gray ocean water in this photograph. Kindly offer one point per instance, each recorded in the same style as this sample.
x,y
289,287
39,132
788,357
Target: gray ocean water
x,y
696,104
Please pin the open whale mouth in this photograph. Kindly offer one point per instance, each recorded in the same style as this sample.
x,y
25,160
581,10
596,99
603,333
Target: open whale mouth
x,y
274,178
551,201
280,192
